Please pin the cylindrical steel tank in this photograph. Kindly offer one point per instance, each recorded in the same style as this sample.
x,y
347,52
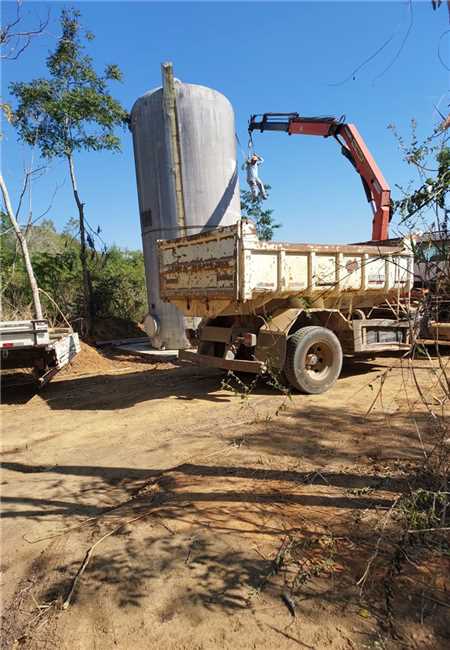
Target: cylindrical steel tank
x,y
187,179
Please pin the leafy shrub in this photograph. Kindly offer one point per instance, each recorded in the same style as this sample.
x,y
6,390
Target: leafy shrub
x,y
117,277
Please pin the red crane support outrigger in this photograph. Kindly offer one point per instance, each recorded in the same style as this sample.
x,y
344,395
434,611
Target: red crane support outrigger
x,y
353,148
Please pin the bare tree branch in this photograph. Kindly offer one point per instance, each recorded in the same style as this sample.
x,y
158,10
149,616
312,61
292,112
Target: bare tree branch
x,y
26,182
24,246
13,41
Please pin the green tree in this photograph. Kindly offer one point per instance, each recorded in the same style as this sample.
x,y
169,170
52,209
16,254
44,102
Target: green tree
x,y
71,111
423,209
425,204
118,280
117,276
43,236
253,209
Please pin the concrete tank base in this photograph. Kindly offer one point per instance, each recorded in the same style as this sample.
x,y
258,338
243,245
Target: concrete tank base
x,y
146,350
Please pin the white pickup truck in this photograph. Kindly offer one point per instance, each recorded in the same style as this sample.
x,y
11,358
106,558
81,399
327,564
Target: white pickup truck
x,y
32,344
293,309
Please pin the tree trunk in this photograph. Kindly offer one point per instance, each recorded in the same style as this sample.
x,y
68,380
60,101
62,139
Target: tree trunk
x,y
83,257
24,246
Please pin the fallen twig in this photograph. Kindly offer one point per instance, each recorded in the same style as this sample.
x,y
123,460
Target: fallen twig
x,y
427,530
84,523
373,557
382,377
89,554
435,600
91,520
289,602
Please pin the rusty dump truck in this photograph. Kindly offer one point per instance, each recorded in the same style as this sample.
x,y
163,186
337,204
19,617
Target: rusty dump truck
x,y
292,309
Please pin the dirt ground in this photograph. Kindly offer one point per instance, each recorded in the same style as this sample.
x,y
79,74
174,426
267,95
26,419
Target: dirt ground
x,y
220,521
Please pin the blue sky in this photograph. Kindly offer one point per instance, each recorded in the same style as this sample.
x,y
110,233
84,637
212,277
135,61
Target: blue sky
x,y
264,57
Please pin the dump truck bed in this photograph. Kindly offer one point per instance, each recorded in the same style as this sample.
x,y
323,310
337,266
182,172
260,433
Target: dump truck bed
x,y
229,270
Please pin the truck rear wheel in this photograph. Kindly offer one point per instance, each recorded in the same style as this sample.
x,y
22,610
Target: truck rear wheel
x,y
313,360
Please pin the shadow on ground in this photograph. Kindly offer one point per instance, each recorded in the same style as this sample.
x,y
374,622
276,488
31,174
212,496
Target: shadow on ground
x,y
204,526
121,391
198,539
208,534
314,446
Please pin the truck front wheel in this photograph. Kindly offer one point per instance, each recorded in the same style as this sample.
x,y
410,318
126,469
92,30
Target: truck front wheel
x,y
313,360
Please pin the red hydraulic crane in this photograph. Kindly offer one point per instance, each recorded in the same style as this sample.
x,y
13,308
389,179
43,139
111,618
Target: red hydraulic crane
x,y
353,148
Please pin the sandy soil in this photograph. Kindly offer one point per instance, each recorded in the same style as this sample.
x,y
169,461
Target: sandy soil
x,y
219,513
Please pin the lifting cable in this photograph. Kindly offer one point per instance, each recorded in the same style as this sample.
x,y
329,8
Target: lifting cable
x,y
244,155
250,143
250,147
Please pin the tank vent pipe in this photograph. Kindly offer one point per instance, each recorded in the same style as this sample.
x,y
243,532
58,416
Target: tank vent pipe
x,y
170,111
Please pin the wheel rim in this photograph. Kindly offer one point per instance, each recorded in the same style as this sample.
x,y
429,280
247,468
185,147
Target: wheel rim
x,y
318,360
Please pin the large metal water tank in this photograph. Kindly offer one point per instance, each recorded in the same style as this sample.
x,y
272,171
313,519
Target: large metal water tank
x,y
187,179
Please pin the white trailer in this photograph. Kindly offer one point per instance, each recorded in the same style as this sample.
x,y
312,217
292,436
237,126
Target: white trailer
x,y
32,344
295,309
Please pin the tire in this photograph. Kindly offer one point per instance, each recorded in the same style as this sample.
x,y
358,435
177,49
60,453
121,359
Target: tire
x,y
322,347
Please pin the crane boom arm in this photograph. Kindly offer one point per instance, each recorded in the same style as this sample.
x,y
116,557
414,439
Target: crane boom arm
x,y
353,148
